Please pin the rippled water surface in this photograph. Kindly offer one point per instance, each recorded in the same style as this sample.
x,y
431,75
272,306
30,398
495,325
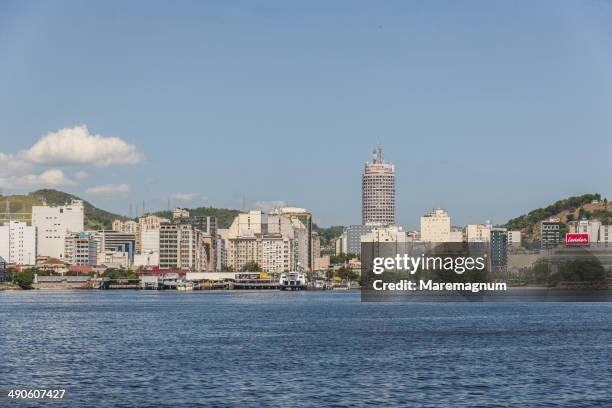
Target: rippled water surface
x,y
137,349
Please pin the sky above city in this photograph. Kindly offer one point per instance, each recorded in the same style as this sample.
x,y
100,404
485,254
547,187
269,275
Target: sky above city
x,y
487,108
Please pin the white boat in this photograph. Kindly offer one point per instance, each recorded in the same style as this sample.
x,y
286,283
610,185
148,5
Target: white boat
x,y
292,281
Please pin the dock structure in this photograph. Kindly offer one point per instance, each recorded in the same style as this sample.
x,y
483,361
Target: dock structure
x,y
231,281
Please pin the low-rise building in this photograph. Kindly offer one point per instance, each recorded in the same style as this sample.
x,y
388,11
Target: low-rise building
x,y
81,249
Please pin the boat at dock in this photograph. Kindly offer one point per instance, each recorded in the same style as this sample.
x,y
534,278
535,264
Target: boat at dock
x,y
292,281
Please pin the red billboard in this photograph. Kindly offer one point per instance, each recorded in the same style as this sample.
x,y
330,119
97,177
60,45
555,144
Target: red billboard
x,y
576,239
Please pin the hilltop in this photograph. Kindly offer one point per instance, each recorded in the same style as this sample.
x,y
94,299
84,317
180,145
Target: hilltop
x,y
95,218
586,206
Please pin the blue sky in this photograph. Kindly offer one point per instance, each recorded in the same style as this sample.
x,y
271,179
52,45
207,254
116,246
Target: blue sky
x,y
487,108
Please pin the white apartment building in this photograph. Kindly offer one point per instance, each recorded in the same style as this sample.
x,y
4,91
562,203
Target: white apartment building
x,y
149,241
605,234
436,226
378,191
276,254
590,227
279,242
479,232
18,243
514,239
296,221
52,223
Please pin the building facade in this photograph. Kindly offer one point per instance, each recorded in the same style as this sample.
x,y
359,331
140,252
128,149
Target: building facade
x,y
81,249
550,233
478,232
279,242
514,239
499,250
109,242
378,191
18,243
436,226
52,223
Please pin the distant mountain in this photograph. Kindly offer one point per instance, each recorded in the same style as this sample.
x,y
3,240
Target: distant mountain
x,y
95,218
587,206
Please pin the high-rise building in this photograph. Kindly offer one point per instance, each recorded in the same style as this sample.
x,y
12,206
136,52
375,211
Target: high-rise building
x,y
296,221
436,226
550,231
499,249
18,243
181,246
279,242
316,247
378,191
52,223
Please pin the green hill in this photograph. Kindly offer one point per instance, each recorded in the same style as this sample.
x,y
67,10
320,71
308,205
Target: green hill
x,y
95,218
568,210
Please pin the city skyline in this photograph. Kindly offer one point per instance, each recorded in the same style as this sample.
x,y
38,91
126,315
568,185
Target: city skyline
x,y
283,104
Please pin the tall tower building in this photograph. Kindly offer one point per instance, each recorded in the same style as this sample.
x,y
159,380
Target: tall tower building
x,y
378,191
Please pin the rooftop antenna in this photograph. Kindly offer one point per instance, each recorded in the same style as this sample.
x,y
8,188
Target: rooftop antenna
x,y
168,204
143,208
130,210
8,209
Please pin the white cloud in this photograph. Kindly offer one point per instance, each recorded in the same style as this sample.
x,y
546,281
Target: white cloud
x,y
268,206
77,146
109,190
10,166
80,175
184,196
48,178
